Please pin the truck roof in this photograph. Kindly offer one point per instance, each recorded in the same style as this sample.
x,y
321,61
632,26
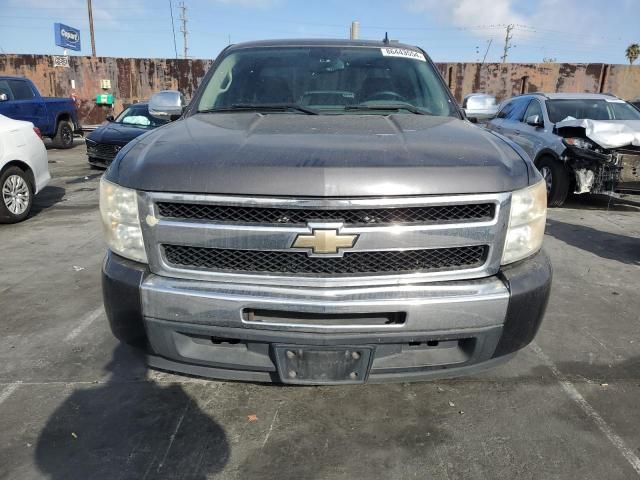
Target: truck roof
x,y
320,42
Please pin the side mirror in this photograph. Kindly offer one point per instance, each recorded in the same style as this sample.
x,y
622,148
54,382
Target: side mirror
x,y
471,119
110,118
167,105
4,97
535,121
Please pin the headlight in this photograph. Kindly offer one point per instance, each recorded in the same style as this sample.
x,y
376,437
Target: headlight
x,y
579,143
120,221
526,223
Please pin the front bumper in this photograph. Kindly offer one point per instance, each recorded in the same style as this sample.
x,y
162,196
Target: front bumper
x,y
98,161
231,331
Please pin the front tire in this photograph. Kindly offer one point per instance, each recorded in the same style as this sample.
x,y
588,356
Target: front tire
x,y
64,135
16,195
557,179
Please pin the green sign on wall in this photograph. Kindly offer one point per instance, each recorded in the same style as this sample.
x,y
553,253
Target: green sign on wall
x,y
104,99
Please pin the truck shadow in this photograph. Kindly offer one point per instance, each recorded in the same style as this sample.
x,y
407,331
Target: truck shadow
x,y
129,428
629,203
607,245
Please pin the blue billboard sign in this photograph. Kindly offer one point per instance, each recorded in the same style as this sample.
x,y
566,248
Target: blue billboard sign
x,y
66,36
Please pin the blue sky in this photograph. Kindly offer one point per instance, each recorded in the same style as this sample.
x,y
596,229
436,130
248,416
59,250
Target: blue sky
x,y
449,30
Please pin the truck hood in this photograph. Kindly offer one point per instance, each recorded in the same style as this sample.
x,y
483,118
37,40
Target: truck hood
x,y
606,133
320,155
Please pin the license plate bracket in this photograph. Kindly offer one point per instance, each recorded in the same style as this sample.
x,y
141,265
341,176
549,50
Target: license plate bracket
x,y
323,365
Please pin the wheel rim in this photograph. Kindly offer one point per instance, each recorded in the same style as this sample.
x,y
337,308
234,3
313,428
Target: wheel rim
x,y
15,193
67,135
548,177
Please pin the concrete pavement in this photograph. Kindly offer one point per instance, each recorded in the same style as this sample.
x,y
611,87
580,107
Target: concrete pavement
x,y
74,404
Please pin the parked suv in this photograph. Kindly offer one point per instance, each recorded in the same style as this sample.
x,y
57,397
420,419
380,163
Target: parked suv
x,y
589,143
322,213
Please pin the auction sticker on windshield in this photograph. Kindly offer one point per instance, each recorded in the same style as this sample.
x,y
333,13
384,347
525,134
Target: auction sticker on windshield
x,y
402,52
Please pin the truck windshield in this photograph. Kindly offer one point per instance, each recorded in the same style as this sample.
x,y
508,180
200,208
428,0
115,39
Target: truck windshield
x,y
331,80
596,109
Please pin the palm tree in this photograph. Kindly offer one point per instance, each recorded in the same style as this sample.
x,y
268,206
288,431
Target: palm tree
x,y
632,53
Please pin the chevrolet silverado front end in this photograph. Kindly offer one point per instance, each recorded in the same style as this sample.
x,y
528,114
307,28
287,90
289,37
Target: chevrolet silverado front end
x,y
316,217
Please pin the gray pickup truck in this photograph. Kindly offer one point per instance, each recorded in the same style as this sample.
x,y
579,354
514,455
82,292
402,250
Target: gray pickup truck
x,y
322,212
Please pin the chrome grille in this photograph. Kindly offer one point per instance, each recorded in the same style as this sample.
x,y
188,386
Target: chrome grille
x,y
352,263
247,239
294,216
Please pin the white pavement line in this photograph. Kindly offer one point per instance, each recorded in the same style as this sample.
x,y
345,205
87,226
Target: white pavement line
x,y
266,438
595,417
84,323
6,393
173,436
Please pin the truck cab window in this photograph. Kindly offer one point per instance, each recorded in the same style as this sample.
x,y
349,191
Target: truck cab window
x,y
21,90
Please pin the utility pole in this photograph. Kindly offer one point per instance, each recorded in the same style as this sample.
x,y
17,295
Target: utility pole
x,y
93,41
183,28
507,40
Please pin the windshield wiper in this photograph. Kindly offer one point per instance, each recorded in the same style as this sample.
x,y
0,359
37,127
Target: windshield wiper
x,y
261,107
387,106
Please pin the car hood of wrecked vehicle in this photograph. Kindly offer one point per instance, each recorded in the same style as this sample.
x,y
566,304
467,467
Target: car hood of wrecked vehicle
x,y
606,133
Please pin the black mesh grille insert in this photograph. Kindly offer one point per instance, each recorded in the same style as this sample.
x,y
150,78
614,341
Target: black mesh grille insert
x,y
102,150
285,262
287,216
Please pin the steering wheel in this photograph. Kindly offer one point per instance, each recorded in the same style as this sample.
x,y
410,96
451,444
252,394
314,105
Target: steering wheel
x,y
387,95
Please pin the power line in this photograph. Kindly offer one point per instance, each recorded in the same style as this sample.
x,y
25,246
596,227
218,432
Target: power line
x,y
486,52
183,28
173,29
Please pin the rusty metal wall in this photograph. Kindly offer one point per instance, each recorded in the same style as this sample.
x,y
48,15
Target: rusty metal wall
x,y
508,79
135,79
132,79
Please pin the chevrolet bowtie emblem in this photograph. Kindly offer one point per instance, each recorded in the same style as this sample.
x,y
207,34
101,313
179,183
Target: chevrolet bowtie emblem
x,y
324,241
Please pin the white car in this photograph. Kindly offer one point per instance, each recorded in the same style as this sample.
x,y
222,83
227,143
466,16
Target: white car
x,y
24,168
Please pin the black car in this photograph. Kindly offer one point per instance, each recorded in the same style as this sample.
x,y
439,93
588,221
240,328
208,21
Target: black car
x,y
106,141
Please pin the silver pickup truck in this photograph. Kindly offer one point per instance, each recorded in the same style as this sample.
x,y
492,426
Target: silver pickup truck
x,y
322,212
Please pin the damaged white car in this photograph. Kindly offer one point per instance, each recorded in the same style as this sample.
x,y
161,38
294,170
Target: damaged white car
x,y
585,142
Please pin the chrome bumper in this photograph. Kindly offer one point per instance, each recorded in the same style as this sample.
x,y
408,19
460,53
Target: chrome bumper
x,y
201,328
428,307
448,329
